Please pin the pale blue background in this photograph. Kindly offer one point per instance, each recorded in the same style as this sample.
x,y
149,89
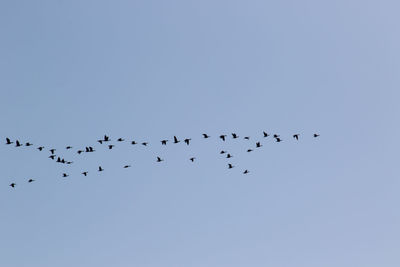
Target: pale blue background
x,y
71,71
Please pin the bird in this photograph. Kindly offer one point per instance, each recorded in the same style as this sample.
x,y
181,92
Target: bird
x,y
164,142
229,156
52,151
111,146
159,159
145,143
85,173
192,159
247,137
106,138
187,140
249,150
258,144
316,135
120,139
265,134
278,139
222,152
13,185
40,148
30,180
206,136
276,135
69,162
79,151
100,141
100,169
68,147
58,159
17,143
176,140
234,136
28,144
222,136
230,166
8,141
65,175
245,172
127,166
52,156
296,136
133,143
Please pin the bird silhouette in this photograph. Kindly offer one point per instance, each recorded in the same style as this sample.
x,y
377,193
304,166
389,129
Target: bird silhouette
x,y
52,157
265,134
247,138
106,138
316,135
80,151
296,136
164,142
111,146
40,148
13,185
52,151
8,141
234,136
159,159
276,135
127,166
206,136
68,147
145,143
222,152
65,175
85,173
176,140
17,143
30,180
245,172
249,150
222,136
228,156
100,169
133,143
278,139
258,144
28,144
120,139
187,140
100,141
230,166
192,159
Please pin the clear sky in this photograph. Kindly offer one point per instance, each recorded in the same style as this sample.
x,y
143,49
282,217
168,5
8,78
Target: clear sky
x,y
72,71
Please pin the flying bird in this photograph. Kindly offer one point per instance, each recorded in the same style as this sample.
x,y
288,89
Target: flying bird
x,y
192,159
52,151
316,135
164,142
234,136
65,175
230,166
133,143
222,152
111,146
258,144
159,159
206,136
79,151
245,172
30,180
265,134
296,136
68,147
229,156
85,173
100,169
120,139
100,141
187,140
247,137
28,144
222,136
17,143
13,185
276,135
127,166
106,138
278,139
176,140
52,157
249,150
40,148
8,141
145,143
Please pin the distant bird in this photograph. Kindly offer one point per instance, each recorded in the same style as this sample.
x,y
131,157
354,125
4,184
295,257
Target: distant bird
x,y
258,144
13,185
111,146
68,147
17,143
30,180
79,151
234,136
145,143
245,172
120,139
133,143
100,141
58,159
106,138
40,148
69,162
52,157
222,136
52,151
100,169
164,142
265,134
187,140
85,173
206,136
316,135
249,150
192,159
222,152
8,141
247,137
90,149
276,135
278,139
230,166
229,156
127,166
65,175
159,159
28,144
296,136
176,140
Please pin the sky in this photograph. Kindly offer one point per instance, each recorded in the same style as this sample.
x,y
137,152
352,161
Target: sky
x,y
72,71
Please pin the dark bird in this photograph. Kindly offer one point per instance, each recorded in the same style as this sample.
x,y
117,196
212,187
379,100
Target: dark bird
x,y
100,141
278,139
265,134
133,143
58,159
40,148
52,157
79,151
164,142
85,173
187,140
229,156
206,136
276,135
69,162
100,169
52,151
247,137
245,172
192,159
258,144
120,139
13,185
65,175
230,166
296,136
8,141
17,143
30,180
316,135
222,136
127,166
106,138
111,146
145,143
222,152
159,159
234,136
249,150
68,147
176,140
28,144
89,149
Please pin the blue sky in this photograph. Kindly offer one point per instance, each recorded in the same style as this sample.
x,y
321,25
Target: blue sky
x,y
72,71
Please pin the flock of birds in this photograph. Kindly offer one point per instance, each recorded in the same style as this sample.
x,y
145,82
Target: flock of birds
x,y
106,139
